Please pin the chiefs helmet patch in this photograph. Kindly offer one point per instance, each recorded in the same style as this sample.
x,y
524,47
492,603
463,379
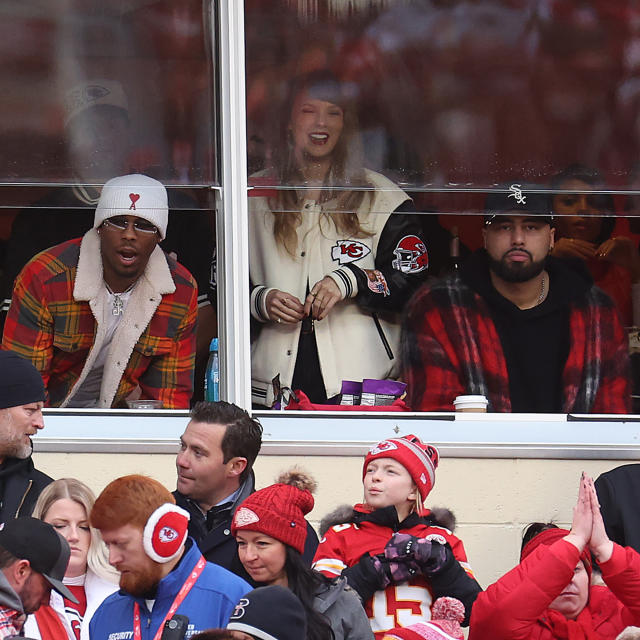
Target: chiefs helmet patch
x,y
410,255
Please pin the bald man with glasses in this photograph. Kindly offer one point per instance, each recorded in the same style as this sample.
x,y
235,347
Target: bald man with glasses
x,y
109,317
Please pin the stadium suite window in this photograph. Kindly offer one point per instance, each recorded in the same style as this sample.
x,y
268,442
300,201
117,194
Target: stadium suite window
x,y
449,102
100,89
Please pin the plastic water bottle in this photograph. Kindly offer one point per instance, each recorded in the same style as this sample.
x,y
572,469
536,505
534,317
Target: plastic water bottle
x,y
212,376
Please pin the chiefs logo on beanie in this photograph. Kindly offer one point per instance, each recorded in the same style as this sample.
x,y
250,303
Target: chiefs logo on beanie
x,y
165,532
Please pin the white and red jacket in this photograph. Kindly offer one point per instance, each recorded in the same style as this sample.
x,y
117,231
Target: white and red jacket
x,y
513,608
348,342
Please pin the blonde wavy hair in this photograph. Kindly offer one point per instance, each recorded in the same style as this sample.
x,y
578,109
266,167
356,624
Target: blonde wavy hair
x,y
73,489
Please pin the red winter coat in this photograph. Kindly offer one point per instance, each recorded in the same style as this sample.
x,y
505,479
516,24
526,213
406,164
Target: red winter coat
x,y
513,608
399,605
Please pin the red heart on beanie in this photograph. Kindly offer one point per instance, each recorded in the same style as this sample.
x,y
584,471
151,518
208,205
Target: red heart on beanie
x,y
134,197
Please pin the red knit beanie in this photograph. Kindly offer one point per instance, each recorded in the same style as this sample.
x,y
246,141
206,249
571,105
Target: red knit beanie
x,y
547,538
418,458
279,510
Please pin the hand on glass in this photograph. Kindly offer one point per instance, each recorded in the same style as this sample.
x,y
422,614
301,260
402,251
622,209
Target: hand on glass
x,y
284,307
322,298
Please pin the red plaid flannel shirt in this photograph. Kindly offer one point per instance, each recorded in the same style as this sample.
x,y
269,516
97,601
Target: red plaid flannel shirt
x,y
451,348
46,325
11,622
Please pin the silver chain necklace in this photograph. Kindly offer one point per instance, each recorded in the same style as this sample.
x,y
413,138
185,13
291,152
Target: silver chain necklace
x,y
543,292
117,307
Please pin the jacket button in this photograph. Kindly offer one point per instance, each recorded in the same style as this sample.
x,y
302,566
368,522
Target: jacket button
x,y
288,352
227,532
303,254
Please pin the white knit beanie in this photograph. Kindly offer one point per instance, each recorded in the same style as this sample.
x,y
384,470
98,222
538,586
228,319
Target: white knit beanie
x,y
134,195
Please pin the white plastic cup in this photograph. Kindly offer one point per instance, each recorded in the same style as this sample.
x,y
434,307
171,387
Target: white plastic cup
x,y
471,404
144,404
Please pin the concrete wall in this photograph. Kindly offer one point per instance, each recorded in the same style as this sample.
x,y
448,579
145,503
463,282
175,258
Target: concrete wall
x,y
493,499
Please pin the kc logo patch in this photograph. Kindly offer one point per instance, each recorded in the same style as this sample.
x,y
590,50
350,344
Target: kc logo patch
x,y
245,516
167,534
382,447
134,197
346,251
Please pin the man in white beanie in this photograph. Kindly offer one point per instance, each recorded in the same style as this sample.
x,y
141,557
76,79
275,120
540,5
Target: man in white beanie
x,y
109,317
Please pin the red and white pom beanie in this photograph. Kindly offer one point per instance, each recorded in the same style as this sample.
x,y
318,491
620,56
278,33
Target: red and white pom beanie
x,y
418,458
277,511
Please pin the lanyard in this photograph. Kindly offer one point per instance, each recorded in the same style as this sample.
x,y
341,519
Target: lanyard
x,y
182,594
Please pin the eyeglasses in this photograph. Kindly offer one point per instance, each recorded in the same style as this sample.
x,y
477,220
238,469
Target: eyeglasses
x,y
138,225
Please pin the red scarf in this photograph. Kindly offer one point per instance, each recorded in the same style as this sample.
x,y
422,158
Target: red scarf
x,y
49,624
579,629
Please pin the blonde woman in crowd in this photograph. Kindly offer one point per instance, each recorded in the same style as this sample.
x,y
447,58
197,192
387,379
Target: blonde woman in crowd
x,y
66,505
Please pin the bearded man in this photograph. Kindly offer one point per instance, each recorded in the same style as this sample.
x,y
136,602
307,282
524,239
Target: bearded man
x,y
162,572
516,325
21,401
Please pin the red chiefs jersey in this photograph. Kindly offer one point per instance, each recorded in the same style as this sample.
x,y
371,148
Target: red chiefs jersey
x,y
399,605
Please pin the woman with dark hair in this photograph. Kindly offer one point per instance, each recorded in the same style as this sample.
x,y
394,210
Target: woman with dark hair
x,y
549,595
584,223
328,243
270,530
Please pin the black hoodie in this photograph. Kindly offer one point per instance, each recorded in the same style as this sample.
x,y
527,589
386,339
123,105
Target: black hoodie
x,y
535,341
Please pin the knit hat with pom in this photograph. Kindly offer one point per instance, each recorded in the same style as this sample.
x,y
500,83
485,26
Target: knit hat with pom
x,y
446,615
418,458
279,510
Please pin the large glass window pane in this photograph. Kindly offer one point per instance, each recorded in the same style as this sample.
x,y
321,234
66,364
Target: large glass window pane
x,y
100,89
450,103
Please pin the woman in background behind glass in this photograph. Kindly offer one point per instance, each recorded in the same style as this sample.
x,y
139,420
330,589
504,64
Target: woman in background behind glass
x,y
333,255
66,504
584,226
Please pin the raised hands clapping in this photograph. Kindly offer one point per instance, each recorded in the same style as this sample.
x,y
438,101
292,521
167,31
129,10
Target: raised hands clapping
x,y
587,528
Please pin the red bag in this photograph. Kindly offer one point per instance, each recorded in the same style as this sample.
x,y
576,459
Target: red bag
x,y
304,404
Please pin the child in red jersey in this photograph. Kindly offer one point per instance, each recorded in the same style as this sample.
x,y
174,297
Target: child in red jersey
x,y
391,550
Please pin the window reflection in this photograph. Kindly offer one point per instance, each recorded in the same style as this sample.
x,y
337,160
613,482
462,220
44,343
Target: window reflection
x,y
456,100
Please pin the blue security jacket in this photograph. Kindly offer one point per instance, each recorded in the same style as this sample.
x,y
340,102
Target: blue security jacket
x,y
208,605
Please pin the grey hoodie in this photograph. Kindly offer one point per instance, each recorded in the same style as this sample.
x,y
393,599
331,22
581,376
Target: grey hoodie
x,y
341,605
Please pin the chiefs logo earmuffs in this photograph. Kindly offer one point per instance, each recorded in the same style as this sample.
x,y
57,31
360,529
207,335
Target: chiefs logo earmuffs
x,y
165,532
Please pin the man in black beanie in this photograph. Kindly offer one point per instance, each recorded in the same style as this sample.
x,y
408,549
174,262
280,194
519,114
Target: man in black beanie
x,y
21,400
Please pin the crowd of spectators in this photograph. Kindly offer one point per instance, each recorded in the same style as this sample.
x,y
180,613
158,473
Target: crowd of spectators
x,y
217,559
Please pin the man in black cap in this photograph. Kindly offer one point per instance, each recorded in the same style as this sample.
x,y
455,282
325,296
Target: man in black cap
x,y
515,325
33,559
21,401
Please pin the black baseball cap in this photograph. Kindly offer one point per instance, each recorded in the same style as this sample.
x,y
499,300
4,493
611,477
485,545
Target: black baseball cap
x,y
518,199
38,542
